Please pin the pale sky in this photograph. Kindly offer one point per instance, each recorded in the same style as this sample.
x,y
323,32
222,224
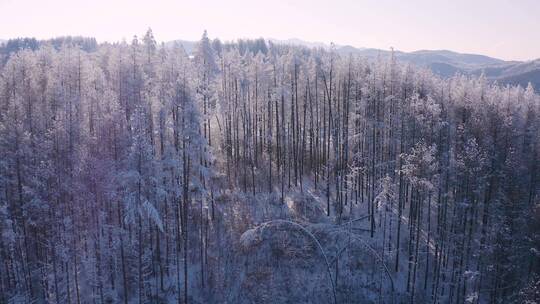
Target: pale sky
x,y
507,29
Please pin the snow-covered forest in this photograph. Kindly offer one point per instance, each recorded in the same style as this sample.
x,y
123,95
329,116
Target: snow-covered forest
x,y
253,172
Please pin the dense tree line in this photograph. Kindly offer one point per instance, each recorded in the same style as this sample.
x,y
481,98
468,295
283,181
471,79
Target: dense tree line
x,y
116,164
14,45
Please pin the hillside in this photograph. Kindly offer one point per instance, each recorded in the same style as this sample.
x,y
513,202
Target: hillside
x,y
257,172
442,62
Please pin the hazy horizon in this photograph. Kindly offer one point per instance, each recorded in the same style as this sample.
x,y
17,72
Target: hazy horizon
x,y
497,28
